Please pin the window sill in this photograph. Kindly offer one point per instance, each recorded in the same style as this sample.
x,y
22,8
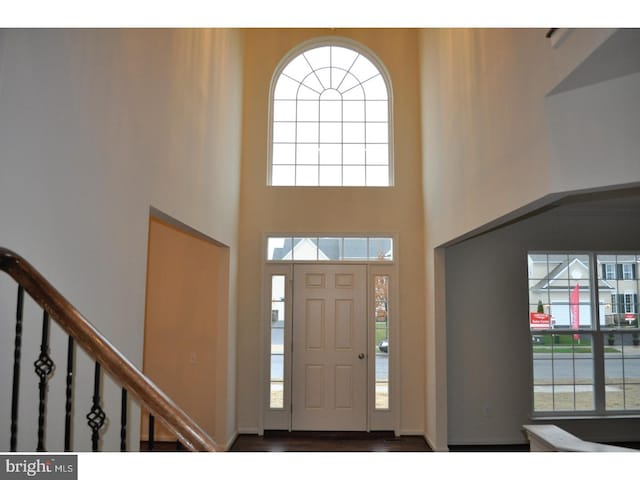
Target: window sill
x,y
617,416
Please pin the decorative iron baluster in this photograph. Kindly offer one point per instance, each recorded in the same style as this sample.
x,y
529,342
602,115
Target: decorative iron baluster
x,y
68,397
123,422
44,368
152,428
16,370
96,417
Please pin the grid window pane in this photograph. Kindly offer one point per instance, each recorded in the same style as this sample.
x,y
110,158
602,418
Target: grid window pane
x,y
307,132
353,154
297,69
377,110
330,247
331,132
330,175
380,249
276,249
286,88
277,321
377,155
353,111
375,89
283,175
284,132
307,175
308,111
284,154
305,248
343,57
330,109
363,68
330,154
354,132
284,110
330,95
563,363
538,266
307,154
377,176
324,77
353,176
562,373
381,328
371,249
310,89
355,93
350,88
355,248
377,132
622,370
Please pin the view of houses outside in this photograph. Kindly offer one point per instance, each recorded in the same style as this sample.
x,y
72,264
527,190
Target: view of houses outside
x,y
565,328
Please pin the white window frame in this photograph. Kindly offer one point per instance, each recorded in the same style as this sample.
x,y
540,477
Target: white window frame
x,y
598,333
362,50
377,419
627,271
610,271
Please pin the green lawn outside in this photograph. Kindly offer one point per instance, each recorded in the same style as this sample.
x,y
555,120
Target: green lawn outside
x,y
568,349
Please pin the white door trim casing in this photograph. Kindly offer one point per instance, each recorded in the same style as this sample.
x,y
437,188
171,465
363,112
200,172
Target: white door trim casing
x,y
377,419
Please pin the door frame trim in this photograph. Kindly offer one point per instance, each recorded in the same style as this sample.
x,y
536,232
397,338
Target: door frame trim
x,y
280,419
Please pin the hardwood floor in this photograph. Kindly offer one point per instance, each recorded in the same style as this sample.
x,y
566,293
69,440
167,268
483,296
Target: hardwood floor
x,y
273,441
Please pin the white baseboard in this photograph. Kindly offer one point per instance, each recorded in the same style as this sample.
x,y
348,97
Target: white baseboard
x,y
232,439
433,446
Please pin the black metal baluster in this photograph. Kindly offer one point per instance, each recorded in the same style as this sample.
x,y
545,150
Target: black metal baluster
x,y
44,367
123,422
152,428
16,371
96,417
68,397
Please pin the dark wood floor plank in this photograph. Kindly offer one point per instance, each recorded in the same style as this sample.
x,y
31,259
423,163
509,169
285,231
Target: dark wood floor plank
x,y
329,442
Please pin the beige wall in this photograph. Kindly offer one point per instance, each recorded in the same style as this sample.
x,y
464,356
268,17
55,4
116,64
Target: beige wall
x,y
186,316
96,126
396,210
488,154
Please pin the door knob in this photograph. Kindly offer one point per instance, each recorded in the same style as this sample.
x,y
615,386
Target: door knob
x,y
361,356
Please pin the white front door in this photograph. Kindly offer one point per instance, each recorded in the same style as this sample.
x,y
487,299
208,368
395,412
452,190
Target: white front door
x,y
329,384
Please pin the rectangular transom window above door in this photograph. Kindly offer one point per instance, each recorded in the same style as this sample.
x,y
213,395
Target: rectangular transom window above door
x,y
330,249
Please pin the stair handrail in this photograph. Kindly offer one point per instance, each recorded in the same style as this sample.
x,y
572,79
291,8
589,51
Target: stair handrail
x,y
189,433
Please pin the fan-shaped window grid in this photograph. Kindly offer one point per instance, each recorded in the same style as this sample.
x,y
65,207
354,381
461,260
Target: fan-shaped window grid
x,y
330,121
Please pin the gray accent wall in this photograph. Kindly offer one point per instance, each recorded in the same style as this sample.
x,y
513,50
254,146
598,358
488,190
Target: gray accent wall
x,y
488,342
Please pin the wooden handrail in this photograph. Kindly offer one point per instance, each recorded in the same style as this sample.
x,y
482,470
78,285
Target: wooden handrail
x,y
190,434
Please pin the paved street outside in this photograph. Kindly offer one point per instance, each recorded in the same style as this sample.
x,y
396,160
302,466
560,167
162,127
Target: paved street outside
x,y
554,380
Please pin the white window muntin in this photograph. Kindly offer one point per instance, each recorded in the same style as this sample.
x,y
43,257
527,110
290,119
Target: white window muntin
x,y
308,133
602,336
327,248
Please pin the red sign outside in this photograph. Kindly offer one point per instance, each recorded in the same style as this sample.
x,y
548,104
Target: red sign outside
x,y
539,320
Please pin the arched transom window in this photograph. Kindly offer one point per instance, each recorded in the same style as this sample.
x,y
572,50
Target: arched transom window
x,y
330,120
